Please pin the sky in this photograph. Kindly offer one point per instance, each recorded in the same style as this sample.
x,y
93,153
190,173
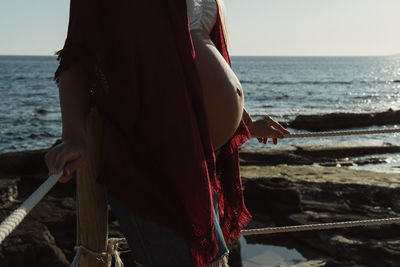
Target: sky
x,y
255,27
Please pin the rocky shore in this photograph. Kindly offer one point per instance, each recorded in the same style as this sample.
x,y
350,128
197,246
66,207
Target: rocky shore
x,y
335,121
296,195
301,185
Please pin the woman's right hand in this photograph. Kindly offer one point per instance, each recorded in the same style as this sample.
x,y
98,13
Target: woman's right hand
x,y
66,157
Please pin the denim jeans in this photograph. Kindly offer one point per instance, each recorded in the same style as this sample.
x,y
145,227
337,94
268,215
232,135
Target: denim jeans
x,y
153,245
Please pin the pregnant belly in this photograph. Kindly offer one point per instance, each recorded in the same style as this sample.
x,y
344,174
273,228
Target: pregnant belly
x,y
222,92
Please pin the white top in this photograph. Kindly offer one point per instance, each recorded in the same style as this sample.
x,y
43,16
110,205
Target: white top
x,y
202,14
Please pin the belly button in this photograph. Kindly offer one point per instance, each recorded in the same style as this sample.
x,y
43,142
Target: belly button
x,y
239,92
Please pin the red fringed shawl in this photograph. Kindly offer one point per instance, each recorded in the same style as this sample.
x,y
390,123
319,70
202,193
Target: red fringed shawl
x,y
157,154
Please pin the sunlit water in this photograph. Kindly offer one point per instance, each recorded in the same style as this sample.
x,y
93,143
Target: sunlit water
x,y
287,86
281,87
256,255
29,110
284,87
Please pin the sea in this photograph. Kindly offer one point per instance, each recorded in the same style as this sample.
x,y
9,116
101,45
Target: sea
x,y
281,87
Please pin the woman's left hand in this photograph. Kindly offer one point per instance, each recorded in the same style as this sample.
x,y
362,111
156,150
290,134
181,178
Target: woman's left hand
x,y
265,128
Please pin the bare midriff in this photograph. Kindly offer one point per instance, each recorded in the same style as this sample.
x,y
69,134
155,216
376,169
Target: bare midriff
x,y
223,94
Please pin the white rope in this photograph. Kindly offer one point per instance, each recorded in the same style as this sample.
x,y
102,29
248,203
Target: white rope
x,y
321,226
112,249
15,218
77,256
106,257
341,133
113,244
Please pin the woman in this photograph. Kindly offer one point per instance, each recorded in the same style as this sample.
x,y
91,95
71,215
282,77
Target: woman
x,y
158,72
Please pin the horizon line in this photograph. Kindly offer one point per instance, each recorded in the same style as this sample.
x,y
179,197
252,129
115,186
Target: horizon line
x,y
239,55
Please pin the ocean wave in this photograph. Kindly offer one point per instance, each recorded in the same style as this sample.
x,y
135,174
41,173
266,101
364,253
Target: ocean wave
x,y
317,82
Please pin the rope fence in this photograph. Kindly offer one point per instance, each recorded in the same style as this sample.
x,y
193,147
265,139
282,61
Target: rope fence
x,y
16,217
106,257
320,226
341,133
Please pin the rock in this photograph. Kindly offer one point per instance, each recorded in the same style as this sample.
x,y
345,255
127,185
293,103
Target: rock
x,y
323,155
31,244
336,163
344,120
273,196
46,237
8,191
366,161
313,263
346,163
334,263
329,164
41,111
268,157
249,157
329,202
317,152
23,162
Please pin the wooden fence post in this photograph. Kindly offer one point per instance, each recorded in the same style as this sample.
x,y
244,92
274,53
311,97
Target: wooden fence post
x,y
92,212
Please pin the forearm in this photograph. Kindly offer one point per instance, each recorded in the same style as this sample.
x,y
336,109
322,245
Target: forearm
x,y
74,102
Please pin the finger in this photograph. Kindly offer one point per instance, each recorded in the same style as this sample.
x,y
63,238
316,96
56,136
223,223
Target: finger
x,y
51,164
260,140
48,158
279,127
72,166
64,179
277,134
275,141
58,164
265,140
